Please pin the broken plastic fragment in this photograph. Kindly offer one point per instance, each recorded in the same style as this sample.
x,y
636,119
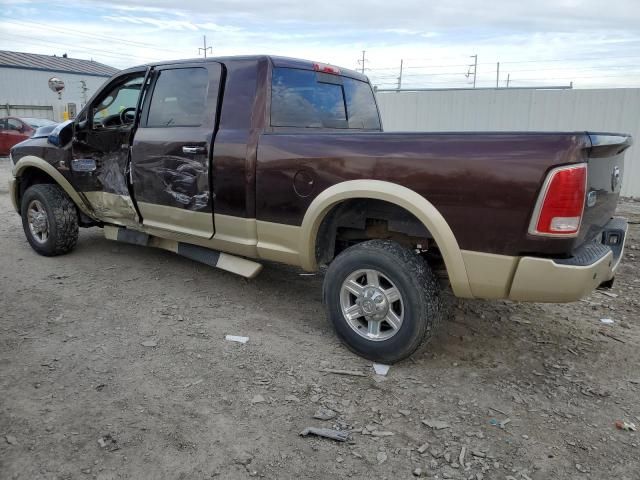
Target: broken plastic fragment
x,y
607,321
337,435
236,338
436,424
620,425
381,369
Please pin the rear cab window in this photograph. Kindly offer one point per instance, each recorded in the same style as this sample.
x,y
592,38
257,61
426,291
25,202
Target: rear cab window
x,y
310,99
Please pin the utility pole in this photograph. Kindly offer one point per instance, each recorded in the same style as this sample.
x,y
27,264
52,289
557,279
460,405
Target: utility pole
x,y
400,77
498,76
475,69
508,78
83,88
204,47
362,62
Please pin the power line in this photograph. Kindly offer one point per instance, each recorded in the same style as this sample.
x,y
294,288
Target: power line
x,y
103,53
512,62
87,35
626,74
453,74
586,76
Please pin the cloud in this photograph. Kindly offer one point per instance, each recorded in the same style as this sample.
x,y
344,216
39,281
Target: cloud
x,y
561,39
541,15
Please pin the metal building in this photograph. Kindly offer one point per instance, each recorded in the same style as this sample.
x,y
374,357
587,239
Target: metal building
x,y
602,110
24,84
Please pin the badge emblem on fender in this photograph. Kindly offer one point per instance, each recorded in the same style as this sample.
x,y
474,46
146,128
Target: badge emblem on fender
x,y
83,164
615,178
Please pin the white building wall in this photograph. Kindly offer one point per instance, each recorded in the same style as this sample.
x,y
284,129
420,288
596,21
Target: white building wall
x,y
602,110
30,87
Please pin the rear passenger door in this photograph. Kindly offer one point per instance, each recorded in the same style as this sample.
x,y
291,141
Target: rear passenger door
x,y
172,149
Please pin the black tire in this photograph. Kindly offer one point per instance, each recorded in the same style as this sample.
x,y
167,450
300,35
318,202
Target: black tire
x,y
414,279
61,218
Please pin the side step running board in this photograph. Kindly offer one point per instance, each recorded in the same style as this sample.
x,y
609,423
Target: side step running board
x,y
213,258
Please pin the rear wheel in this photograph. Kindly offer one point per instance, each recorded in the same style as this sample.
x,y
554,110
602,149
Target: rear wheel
x,y
382,299
49,219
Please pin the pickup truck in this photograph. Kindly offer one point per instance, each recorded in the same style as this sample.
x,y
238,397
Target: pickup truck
x,y
232,161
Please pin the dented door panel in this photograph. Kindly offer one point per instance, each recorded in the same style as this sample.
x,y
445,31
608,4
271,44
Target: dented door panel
x,y
165,175
172,148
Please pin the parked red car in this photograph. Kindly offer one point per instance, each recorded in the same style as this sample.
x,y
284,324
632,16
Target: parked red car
x,y
14,130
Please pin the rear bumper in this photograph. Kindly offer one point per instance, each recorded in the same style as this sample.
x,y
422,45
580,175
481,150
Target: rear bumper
x,y
569,279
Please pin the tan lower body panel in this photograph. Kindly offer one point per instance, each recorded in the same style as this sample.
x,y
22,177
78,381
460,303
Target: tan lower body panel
x,y
533,279
489,275
180,220
278,242
543,280
235,235
112,208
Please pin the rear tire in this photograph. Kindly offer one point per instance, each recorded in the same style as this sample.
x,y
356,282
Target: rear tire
x,y
382,299
49,219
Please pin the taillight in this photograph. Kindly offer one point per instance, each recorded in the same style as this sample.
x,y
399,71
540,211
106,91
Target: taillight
x,y
321,67
560,205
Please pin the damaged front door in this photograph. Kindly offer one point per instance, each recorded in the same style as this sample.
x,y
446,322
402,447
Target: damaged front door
x,y
100,150
172,147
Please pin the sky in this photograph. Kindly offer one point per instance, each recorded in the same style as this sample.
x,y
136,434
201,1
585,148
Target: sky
x,y
587,43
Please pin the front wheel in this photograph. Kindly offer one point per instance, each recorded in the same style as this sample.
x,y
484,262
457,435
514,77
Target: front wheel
x,y
382,299
49,219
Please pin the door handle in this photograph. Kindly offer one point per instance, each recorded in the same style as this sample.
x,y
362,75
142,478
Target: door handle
x,y
192,150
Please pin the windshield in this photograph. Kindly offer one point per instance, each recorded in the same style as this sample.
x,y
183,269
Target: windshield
x,y
309,99
38,122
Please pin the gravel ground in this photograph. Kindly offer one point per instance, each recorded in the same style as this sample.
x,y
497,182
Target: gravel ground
x,y
113,364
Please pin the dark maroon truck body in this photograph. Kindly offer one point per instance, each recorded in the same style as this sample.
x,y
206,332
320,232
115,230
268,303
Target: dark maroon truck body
x,y
485,185
232,161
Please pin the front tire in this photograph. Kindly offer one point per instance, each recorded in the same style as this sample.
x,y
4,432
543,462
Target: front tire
x,y
49,219
382,299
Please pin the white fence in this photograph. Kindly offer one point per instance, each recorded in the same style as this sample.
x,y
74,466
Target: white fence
x,y
601,110
36,111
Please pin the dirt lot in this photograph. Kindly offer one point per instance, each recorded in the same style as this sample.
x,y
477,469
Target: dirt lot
x,y
521,391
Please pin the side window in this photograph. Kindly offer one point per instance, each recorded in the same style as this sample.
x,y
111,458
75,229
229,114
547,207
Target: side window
x,y
305,98
179,98
3,124
15,125
299,98
122,96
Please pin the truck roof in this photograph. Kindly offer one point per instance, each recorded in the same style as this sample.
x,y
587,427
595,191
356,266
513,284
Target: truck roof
x,y
276,61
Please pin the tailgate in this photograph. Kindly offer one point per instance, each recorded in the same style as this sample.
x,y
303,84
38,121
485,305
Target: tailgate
x,y
605,171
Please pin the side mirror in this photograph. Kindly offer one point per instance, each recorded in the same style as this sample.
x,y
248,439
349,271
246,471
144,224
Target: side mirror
x,y
62,134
